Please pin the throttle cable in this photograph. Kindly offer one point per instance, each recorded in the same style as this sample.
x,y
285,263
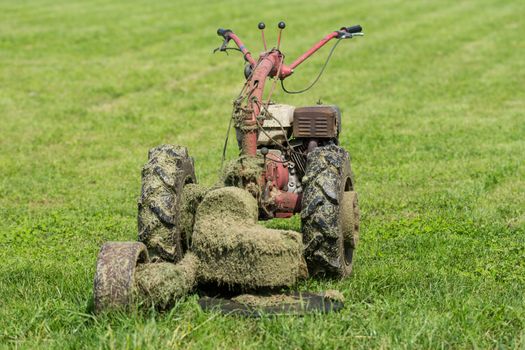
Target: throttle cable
x,y
318,76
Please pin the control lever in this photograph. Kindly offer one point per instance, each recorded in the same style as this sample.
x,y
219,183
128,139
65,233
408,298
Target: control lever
x,y
353,29
281,26
261,26
224,47
350,32
343,34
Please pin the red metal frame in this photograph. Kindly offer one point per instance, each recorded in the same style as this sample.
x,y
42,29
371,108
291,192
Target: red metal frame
x,y
270,64
313,49
243,48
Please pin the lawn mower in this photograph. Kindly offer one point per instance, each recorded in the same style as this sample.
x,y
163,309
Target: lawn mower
x,y
290,163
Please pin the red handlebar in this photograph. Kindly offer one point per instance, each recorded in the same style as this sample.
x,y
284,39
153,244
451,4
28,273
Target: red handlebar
x,y
270,64
313,49
243,48
227,34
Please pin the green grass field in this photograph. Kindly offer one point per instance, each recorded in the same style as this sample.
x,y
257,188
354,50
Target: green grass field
x,y
433,102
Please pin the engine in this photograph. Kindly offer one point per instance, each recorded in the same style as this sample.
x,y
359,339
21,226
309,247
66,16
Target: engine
x,y
284,140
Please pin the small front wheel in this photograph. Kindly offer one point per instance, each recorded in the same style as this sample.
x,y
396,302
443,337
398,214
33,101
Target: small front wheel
x,y
115,276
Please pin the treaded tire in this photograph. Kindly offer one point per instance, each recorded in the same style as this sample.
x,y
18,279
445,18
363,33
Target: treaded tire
x,y
114,285
168,170
330,213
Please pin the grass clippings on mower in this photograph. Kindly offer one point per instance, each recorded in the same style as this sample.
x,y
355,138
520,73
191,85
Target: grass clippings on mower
x,y
235,250
273,304
162,283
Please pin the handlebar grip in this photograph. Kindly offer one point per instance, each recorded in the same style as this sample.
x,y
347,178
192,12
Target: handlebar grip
x,y
353,29
223,32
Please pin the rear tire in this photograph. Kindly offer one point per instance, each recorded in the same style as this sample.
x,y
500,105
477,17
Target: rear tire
x,y
330,213
168,171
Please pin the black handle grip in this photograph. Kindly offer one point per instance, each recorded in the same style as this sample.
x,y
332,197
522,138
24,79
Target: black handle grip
x,y
353,29
223,32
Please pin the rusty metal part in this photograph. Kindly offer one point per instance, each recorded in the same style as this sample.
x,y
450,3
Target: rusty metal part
x,y
276,171
264,68
294,180
312,144
298,157
249,140
277,200
316,122
287,204
115,274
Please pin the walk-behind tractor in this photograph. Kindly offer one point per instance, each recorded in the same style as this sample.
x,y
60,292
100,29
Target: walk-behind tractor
x,y
209,239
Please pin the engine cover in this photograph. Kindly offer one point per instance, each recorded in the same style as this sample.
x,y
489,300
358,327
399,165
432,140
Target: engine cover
x,y
274,127
316,122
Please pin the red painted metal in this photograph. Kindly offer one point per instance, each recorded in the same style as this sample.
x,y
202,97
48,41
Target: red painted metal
x,y
283,215
285,71
287,202
276,171
314,48
283,204
263,69
269,65
243,48
275,176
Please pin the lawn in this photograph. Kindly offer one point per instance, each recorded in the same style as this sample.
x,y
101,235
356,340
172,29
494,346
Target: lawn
x,y
433,103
